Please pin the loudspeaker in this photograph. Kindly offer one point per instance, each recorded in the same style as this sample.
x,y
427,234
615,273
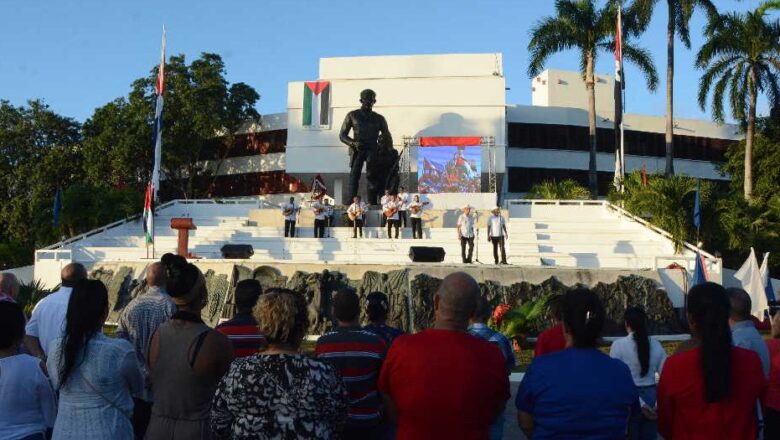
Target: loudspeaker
x,y
423,254
237,251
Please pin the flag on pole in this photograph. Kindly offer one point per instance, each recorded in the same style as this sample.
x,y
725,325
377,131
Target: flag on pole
x,y
159,88
619,86
645,180
750,277
770,291
57,206
149,216
699,271
697,206
316,104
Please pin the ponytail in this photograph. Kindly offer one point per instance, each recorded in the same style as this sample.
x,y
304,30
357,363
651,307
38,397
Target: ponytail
x,y
636,319
86,308
583,317
708,311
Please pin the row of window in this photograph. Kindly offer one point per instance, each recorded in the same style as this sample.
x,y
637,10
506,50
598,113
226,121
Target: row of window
x,y
570,137
270,182
250,144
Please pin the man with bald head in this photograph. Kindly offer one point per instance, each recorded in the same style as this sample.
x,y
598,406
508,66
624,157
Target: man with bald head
x,y
444,382
47,322
137,323
9,287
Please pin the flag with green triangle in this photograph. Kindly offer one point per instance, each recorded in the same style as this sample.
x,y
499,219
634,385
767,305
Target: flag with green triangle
x,y
316,104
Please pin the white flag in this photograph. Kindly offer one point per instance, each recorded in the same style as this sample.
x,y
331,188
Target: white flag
x,y
750,277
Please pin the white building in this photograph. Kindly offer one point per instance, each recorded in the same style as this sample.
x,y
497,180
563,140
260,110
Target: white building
x,y
464,95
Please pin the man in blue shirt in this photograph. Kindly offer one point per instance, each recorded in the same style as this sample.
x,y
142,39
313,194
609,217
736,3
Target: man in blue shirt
x,y
479,328
743,331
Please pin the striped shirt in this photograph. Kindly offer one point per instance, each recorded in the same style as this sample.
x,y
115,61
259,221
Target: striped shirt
x,y
358,355
243,334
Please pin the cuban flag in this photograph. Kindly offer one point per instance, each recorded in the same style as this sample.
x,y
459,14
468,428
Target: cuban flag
x,y
159,88
619,87
770,291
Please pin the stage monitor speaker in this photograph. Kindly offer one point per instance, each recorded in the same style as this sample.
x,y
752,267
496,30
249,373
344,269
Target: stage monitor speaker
x,y
423,254
237,251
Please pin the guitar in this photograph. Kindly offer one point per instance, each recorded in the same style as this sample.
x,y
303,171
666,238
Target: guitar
x,y
358,214
389,213
318,211
416,209
289,211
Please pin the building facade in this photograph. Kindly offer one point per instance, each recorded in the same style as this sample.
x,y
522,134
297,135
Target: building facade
x,y
459,95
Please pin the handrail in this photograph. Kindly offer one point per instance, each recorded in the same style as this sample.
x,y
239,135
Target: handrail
x,y
238,201
615,208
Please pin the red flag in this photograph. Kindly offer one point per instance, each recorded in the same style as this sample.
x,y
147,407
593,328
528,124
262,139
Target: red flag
x,y
644,175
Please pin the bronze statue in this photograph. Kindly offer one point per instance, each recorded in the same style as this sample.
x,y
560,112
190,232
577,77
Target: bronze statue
x,y
371,144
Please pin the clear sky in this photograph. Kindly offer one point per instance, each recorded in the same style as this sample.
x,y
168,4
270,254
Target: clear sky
x,y
78,55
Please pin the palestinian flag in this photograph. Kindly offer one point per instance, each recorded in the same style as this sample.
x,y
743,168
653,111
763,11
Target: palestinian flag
x,y
316,103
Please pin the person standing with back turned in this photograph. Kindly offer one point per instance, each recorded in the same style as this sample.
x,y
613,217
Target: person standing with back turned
x,y
443,383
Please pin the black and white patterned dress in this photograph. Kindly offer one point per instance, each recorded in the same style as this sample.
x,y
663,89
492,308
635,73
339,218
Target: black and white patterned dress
x,y
279,397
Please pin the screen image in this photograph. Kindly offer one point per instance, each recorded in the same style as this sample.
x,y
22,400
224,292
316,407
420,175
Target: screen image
x,y
449,169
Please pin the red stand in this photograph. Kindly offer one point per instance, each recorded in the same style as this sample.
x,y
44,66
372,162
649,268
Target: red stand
x,y
183,225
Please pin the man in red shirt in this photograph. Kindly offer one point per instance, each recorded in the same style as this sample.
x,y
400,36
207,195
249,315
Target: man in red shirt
x,y
242,329
444,382
552,340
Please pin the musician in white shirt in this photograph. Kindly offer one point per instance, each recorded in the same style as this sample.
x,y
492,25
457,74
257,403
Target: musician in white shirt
x,y
403,204
318,208
497,234
390,211
328,214
416,210
357,213
466,234
290,214
382,201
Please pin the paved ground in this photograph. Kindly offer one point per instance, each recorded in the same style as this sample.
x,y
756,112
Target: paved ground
x,y
511,429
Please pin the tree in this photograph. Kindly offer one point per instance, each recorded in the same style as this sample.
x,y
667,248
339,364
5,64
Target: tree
x,y
679,13
581,26
566,189
201,116
741,58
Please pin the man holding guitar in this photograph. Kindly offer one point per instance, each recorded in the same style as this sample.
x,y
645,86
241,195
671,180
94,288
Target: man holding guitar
x,y
290,214
318,208
415,213
357,213
390,211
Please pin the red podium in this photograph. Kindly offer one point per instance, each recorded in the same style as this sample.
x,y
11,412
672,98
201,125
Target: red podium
x,y
183,225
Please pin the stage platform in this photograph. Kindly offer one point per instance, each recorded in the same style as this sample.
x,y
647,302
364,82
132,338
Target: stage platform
x,y
586,235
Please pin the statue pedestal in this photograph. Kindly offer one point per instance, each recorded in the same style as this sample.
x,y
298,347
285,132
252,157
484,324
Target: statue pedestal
x,y
183,225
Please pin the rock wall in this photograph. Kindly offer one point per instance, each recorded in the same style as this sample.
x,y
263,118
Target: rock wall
x,y
411,298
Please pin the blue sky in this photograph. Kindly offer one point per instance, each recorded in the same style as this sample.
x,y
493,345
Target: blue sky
x,y
78,55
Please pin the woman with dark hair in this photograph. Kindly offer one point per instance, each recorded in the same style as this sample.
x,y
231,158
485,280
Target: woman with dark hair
x,y
377,308
645,357
27,402
95,375
186,360
280,393
711,390
579,392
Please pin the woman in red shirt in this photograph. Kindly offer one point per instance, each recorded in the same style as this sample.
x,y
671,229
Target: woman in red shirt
x,y
711,390
772,407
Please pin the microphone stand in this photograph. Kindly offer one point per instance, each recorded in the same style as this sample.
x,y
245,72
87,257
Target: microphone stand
x,y
476,215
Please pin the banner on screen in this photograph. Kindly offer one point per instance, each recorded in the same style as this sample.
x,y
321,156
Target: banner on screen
x,y
445,169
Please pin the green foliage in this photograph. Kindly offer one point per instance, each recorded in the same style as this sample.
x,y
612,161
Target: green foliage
x,y
766,161
667,202
567,189
30,294
522,320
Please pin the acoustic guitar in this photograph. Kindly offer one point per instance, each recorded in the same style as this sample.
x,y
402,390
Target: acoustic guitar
x,y
416,209
389,213
358,214
289,211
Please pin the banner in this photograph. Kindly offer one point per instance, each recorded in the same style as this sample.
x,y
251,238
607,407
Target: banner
x,y
449,169
316,104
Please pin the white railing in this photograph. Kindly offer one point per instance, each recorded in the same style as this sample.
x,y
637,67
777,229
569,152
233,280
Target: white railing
x,y
620,212
195,202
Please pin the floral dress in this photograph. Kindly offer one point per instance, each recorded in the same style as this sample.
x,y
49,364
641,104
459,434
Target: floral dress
x,y
279,397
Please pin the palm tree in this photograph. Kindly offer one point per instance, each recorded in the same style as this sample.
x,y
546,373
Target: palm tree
x,y
580,25
678,20
742,58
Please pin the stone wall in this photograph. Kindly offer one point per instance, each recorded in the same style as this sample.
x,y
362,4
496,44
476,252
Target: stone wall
x,y
403,289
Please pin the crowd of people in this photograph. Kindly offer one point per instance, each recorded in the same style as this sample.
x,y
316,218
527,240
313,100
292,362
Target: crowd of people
x,y
168,375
